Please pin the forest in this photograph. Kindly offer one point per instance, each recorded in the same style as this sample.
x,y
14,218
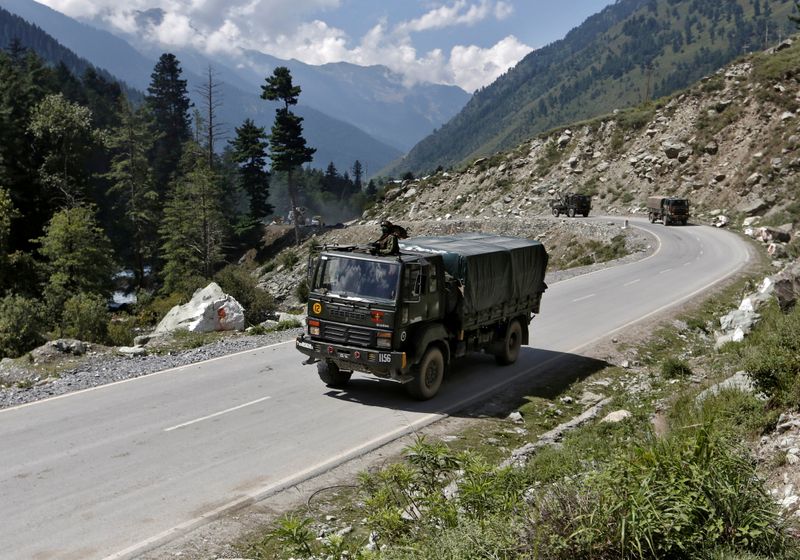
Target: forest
x,y
101,193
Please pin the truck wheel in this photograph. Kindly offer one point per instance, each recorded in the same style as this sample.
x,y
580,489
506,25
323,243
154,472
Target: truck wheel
x,y
332,376
651,217
666,220
571,212
428,375
556,212
586,214
509,352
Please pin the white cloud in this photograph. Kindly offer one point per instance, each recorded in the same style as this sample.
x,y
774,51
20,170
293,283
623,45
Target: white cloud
x,y
473,67
295,29
458,13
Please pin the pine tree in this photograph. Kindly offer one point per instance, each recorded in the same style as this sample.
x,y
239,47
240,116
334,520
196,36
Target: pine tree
x,y
132,184
169,103
288,149
194,228
79,257
358,176
250,153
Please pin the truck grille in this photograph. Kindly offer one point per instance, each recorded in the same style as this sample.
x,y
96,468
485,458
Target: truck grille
x,y
347,334
344,314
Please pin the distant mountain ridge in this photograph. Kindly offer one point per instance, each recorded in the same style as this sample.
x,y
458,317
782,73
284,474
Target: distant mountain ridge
x,y
630,50
34,38
381,117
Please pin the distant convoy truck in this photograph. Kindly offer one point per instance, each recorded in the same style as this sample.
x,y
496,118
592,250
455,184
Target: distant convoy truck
x,y
407,316
571,204
668,210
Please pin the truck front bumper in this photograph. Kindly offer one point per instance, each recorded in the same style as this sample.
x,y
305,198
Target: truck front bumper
x,y
382,363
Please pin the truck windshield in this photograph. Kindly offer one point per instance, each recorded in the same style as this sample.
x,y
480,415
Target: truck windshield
x,y
348,277
678,203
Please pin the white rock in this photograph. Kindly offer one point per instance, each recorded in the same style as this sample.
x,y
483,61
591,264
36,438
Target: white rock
x,y
516,416
210,309
617,416
132,350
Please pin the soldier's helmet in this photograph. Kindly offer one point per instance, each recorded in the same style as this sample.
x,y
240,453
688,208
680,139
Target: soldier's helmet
x,y
386,225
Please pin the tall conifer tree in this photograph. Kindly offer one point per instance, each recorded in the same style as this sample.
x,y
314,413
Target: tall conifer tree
x,y
169,102
288,149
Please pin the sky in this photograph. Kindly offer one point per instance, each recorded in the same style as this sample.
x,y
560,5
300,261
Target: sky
x,y
468,43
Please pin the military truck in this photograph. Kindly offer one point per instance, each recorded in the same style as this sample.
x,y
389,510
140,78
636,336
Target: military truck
x,y
406,317
571,204
668,210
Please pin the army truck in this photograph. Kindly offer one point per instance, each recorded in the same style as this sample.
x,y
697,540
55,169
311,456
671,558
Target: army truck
x,y
668,210
571,204
407,316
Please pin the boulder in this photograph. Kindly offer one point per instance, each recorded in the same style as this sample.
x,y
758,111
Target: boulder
x,y
752,207
739,381
616,416
673,148
59,347
786,286
738,319
210,309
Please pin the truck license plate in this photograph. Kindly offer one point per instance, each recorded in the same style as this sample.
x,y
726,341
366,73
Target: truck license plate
x,y
385,358
306,345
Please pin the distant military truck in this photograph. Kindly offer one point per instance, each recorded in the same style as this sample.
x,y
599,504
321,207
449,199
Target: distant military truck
x,y
571,204
668,210
408,315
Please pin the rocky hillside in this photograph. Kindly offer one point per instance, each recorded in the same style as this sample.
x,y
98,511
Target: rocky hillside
x,y
729,144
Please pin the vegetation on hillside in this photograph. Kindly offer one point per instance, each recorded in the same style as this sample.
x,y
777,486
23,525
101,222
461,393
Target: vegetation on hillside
x,y
632,51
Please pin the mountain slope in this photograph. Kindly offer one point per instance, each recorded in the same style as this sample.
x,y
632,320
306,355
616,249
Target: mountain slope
x,y
32,37
631,50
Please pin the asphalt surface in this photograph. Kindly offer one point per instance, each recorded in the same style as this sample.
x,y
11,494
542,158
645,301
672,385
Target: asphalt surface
x,y
112,471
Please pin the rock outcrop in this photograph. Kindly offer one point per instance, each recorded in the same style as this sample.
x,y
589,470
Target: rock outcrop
x,y
209,310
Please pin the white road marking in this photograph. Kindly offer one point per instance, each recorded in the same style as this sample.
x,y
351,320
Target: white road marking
x,y
583,298
687,264
632,282
665,271
220,413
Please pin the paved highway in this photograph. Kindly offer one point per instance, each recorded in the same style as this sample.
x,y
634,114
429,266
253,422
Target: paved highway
x,y
111,471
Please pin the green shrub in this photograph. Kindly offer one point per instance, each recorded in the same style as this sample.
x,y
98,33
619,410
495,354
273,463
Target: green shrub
x,y
674,368
20,318
289,258
771,355
122,330
86,318
301,291
677,497
243,287
150,310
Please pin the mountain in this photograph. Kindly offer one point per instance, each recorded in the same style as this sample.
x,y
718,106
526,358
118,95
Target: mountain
x,y
373,98
631,50
34,38
335,140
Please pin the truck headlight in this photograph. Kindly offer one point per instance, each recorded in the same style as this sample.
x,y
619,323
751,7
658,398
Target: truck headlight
x,y
384,340
313,327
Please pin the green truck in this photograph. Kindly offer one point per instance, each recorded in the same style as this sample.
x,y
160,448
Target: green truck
x,y
669,210
407,316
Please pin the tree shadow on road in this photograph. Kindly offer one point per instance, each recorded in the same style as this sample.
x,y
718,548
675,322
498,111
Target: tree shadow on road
x,y
477,387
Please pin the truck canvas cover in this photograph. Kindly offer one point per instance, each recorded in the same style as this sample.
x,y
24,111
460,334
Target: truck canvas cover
x,y
493,269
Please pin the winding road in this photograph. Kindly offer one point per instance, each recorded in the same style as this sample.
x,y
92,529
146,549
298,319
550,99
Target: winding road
x,y
109,472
